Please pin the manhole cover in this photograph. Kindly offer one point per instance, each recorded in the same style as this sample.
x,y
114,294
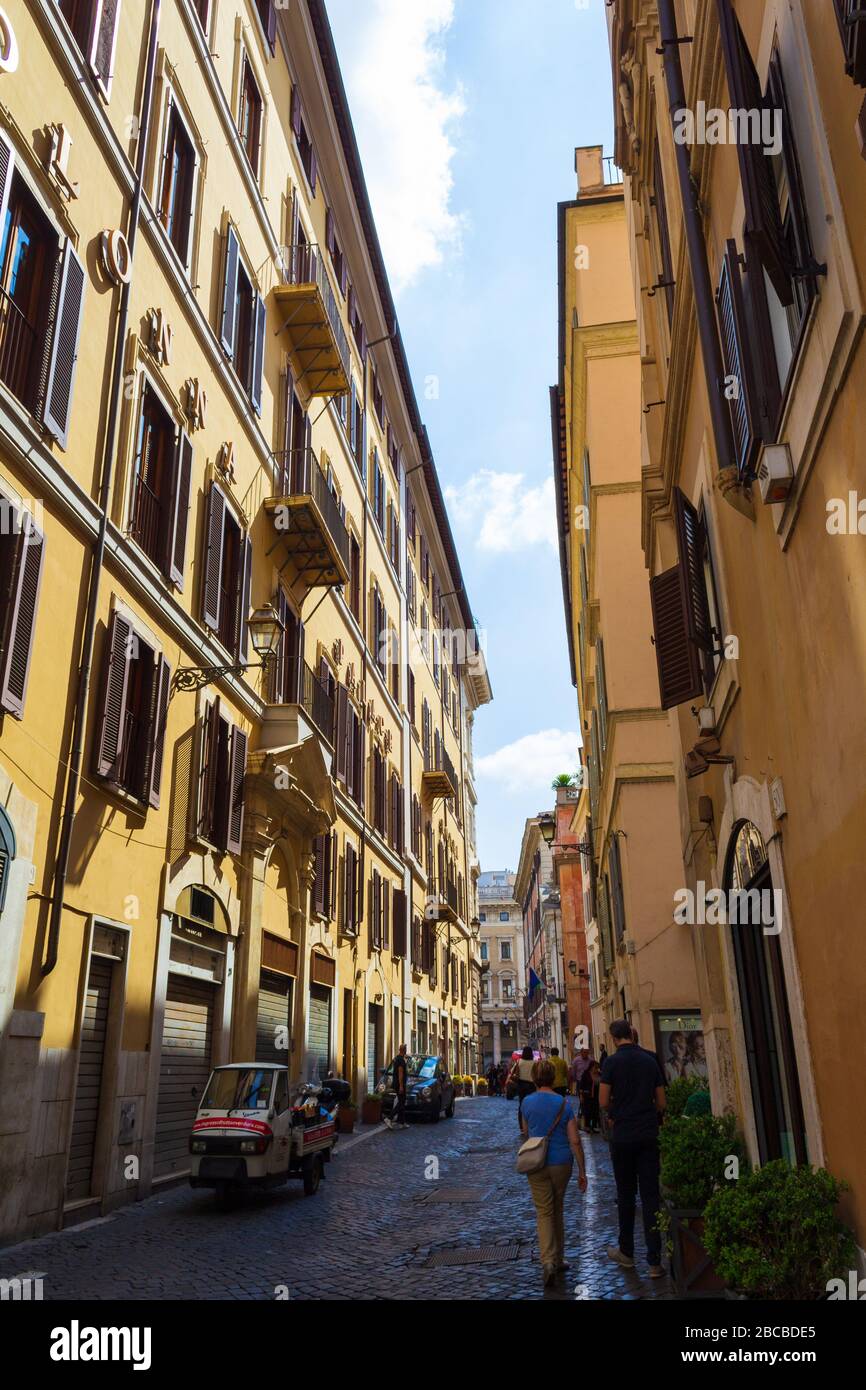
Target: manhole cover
x,y
473,1255
458,1194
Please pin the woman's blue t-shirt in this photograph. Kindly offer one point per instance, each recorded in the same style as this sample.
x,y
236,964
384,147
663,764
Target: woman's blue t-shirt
x,y
539,1111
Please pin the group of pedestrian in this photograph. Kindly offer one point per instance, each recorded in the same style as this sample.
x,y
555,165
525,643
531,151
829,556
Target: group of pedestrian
x,y
625,1098
496,1076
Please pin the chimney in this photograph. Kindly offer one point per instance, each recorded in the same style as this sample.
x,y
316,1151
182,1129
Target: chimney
x,y
589,167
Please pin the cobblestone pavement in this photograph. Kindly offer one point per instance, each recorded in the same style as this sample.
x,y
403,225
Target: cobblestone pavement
x,y
368,1233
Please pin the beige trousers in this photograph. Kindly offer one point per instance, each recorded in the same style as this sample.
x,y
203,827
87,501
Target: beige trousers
x,y
548,1193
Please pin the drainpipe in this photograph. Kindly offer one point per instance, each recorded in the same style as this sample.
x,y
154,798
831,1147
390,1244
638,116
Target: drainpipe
x,y
697,251
73,777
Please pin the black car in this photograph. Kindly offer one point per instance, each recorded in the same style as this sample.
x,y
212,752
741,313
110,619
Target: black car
x,y
429,1089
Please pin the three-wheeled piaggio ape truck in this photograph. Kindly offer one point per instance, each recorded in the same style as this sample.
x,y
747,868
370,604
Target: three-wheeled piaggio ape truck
x,y
254,1129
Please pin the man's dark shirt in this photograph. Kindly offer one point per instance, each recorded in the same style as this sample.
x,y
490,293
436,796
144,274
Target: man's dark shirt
x,y
633,1075
400,1073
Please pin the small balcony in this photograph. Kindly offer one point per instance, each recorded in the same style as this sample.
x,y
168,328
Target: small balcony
x,y
295,696
441,902
439,778
312,329
307,523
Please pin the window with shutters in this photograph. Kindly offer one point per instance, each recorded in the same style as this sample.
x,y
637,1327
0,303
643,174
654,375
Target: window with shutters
x,y
399,913
377,397
394,664
378,485
162,474
354,595
267,13
356,324
202,9
176,193
226,574
242,331
425,562
659,202
416,828
601,693
851,17
410,696
303,140
324,893
222,769
250,115
379,793
395,812
22,554
335,251
94,25
132,712
357,427
351,900
617,896
684,634
42,282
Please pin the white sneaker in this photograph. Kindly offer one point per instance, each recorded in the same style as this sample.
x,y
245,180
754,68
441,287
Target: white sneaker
x,y
389,1124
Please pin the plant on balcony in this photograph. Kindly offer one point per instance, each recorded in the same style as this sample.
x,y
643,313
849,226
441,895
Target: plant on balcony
x,y
776,1234
562,779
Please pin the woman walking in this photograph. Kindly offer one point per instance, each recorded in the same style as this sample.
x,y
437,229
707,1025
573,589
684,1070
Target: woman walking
x,y
546,1114
521,1076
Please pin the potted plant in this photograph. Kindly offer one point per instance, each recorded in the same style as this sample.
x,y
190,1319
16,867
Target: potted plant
x,y
371,1110
458,1084
696,1154
776,1234
347,1116
679,1092
481,1086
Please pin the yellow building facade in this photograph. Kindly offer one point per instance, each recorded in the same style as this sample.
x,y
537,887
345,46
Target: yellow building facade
x,y
740,128
640,961
240,666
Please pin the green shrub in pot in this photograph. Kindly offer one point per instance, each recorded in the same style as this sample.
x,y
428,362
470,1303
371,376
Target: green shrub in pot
x,y
678,1093
776,1233
695,1153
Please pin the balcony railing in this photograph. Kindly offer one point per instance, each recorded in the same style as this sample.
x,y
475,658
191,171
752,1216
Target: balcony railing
x,y
439,777
321,345
17,345
307,515
442,895
293,682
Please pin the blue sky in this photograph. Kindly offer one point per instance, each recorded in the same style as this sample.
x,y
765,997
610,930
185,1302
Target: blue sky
x,y
467,114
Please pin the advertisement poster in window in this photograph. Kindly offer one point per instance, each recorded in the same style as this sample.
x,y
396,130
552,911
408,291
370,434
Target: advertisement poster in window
x,y
680,1044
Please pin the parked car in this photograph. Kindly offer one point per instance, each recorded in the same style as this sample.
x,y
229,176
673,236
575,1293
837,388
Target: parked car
x,y
429,1089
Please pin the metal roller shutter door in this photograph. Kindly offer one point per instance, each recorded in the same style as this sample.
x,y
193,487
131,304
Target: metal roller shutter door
x,y
319,1032
372,1046
92,1052
274,1011
184,1068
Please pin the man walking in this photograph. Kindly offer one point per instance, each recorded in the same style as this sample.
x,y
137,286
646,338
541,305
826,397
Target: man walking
x,y
400,1071
631,1098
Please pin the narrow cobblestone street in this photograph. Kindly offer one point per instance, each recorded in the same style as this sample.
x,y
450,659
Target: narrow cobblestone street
x,y
369,1233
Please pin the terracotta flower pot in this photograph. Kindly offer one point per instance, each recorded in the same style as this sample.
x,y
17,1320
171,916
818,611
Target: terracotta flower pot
x,y
346,1117
371,1112
691,1267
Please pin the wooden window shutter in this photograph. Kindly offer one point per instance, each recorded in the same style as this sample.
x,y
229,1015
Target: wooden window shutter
x,y
319,885
739,365
386,913
119,645
617,898
103,43
297,112
246,580
230,291
661,209
180,509
20,604
330,233
213,560
806,268
361,765
158,722
63,350
237,773
258,358
7,168
400,923
332,875
763,219
853,32
340,735
271,26
680,609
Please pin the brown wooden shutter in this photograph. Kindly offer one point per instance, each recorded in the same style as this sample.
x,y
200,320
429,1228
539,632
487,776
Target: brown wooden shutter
x,y
119,644
180,509
361,766
158,722
853,32
213,560
63,345
237,773
680,611
806,268
208,771
386,913
20,619
763,219
319,881
104,42
661,209
739,364
400,923
257,369
246,581
332,875
690,545
617,898
340,734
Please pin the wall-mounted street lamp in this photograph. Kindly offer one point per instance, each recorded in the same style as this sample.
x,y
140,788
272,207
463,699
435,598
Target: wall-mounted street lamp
x,y
475,928
547,827
266,630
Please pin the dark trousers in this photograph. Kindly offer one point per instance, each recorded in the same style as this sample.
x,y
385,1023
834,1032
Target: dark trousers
x,y
636,1165
398,1114
524,1089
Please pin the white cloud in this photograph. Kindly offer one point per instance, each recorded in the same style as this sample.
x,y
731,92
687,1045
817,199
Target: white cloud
x,y
531,763
506,514
393,63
